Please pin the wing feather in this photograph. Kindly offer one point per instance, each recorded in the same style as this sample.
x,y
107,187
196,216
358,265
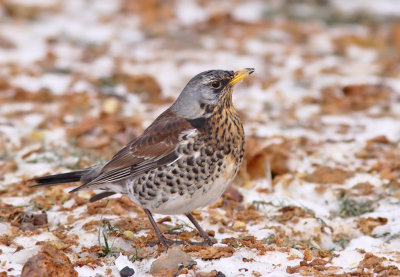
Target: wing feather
x,y
155,147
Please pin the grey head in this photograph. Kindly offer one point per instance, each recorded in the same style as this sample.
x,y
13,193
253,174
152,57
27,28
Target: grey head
x,y
206,88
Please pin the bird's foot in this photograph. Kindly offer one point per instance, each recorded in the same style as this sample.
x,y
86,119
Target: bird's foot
x,y
209,241
205,242
166,242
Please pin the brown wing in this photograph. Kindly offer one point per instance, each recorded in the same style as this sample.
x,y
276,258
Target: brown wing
x,y
155,147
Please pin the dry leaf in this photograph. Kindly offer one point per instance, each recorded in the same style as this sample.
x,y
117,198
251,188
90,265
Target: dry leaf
x,y
49,262
367,225
329,175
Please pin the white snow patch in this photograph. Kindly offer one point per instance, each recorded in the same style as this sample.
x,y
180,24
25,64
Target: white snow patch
x,y
249,11
123,261
189,12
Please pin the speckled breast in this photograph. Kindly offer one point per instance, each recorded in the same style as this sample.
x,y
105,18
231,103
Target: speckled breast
x,y
208,161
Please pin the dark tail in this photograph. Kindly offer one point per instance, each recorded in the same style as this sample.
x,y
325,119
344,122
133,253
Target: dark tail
x,y
51,180
74,176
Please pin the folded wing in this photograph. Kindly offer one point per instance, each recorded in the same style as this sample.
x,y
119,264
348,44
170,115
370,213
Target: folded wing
x,y
154,148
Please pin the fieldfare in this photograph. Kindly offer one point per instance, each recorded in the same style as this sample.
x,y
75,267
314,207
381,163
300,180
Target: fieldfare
x,y
183,161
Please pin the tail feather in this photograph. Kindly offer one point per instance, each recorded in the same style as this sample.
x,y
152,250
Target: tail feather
x,y
101,195
84,176
51,180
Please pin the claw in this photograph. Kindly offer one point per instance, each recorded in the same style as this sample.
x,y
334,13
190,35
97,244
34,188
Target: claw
x,y
165,242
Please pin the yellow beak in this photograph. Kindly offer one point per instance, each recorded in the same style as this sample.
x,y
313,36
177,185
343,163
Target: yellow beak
x,y
241,74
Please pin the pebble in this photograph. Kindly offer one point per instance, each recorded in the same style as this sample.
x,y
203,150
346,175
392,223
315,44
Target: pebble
x,y
127,272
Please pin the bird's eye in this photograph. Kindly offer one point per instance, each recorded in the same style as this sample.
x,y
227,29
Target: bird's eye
x,y
216,84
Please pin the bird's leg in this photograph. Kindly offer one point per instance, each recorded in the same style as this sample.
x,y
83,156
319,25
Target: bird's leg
x,y
160,236
207,239
164,241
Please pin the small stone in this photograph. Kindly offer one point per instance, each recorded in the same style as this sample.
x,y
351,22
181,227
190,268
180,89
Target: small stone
x,y
110,105
36,135
233,194
211,233
127,272
239,226
33,221
216,217
172,263
129,234
39,219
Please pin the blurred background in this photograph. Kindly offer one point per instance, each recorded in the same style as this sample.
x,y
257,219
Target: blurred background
x,y
97,72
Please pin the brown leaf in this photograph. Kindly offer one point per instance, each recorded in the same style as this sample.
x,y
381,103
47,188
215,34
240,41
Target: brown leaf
x,y
92,141
362,189
277,155
7,167
248,215
291,212
370,261
379,139
256,167
352,98
212,273
343,42
6,43
329,175
292,269
153,13
96,207
308,255
143,84
49,262
233,194
367,225
5,240
395,35
215,252
85,126
43,96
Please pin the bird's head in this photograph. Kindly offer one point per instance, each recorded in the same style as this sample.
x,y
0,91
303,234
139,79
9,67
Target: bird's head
x,y
209,88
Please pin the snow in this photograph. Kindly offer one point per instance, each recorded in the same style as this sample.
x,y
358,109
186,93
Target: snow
x,y
293,63
385,7
189,12
251,11
122,261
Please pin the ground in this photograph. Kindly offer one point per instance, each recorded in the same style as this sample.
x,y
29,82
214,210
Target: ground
x,y
318,193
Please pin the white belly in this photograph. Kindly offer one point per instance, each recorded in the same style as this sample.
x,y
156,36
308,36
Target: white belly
x,y
178,204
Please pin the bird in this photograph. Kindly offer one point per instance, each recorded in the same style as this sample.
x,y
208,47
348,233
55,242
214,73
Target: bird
x,y
182,162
